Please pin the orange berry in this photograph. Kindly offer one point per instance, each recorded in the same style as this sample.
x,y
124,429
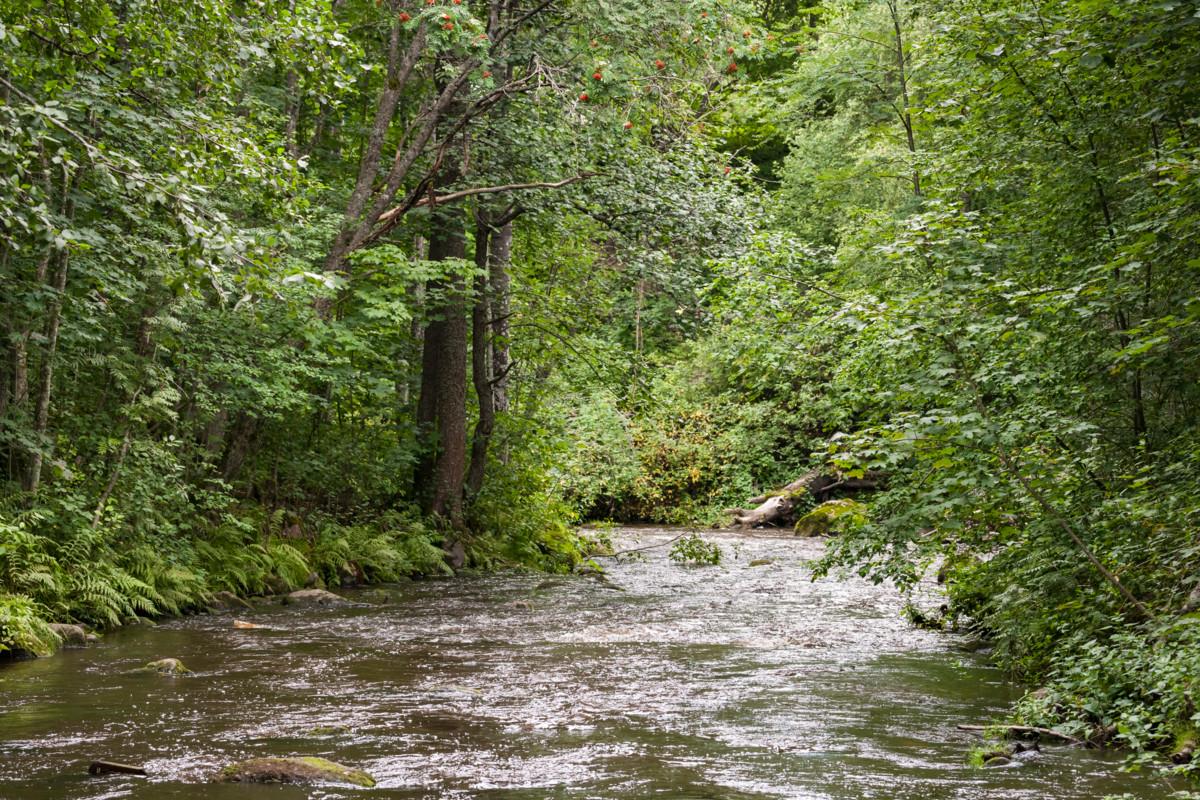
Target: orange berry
x,y
487,74
628,124
732,67
746,34
729,50
596,76
583,97
660,64
404,17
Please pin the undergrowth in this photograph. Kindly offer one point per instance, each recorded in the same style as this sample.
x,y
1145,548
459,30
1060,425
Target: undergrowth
x,y
54,571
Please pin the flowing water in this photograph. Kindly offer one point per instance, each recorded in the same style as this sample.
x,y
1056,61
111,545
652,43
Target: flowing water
x,y
727,682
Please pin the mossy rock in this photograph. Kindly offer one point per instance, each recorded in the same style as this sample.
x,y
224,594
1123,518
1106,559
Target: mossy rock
x,y
832,516
165,666
226,601
300,770
314,597
71,635
328,730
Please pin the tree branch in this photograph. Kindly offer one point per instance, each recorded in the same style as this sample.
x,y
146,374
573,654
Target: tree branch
x,y
450,197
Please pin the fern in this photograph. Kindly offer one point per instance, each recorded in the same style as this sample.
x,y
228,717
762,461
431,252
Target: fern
x,y
23,627
288,563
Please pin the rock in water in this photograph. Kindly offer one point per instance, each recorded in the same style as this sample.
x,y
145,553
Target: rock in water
x,y
305,770
313,597
224,601
71,635
242,625
166,666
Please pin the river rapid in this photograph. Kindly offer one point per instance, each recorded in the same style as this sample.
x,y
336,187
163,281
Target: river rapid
x,y
726,682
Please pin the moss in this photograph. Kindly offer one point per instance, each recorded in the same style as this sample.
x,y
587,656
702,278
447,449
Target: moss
x,y
299,770
166,666
832,516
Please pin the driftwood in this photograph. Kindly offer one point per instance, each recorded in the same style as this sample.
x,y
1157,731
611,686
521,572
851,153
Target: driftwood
x,y
113,768
776,509
1023,729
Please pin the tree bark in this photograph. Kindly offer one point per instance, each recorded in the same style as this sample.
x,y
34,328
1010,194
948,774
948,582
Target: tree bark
x,y
902,74
480,361
499,257
774,509
442,405
41,415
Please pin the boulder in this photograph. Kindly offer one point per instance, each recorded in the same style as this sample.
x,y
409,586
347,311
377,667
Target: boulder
x,y
166,666
305,770
833,516
227,601
71,635
314,597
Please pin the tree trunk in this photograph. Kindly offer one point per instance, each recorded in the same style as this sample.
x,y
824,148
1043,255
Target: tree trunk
x,y
902,73
41,415
480,362
499,256
442,406
774,509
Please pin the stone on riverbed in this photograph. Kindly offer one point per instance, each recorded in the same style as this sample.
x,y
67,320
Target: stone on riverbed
x,y
306,770
165,666
226,601
314,597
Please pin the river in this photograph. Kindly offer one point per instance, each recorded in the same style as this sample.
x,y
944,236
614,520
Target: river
x,y
727,682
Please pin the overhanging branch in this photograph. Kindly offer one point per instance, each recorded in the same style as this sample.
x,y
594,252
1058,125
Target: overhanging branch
x,y
450,197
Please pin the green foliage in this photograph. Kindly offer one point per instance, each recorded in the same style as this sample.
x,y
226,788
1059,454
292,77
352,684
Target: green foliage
x,y
696,551
1135,687
23,626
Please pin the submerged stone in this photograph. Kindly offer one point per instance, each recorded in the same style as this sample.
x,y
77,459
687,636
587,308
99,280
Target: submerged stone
x,y
166,666
314,597
301,770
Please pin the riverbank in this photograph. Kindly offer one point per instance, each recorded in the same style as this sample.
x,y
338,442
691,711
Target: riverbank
x,y
105,581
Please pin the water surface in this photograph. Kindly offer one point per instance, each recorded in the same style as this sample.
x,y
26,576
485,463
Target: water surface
x,y
722,682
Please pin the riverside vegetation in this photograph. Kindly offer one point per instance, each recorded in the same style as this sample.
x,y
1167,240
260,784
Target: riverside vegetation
x,y
300,292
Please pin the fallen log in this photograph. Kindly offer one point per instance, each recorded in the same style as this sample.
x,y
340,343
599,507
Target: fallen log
x,y
1023,729
775,510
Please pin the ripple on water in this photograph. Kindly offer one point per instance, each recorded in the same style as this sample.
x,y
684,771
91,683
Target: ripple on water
x,y
726,682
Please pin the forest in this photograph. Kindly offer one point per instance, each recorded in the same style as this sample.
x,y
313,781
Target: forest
x,y
325,292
